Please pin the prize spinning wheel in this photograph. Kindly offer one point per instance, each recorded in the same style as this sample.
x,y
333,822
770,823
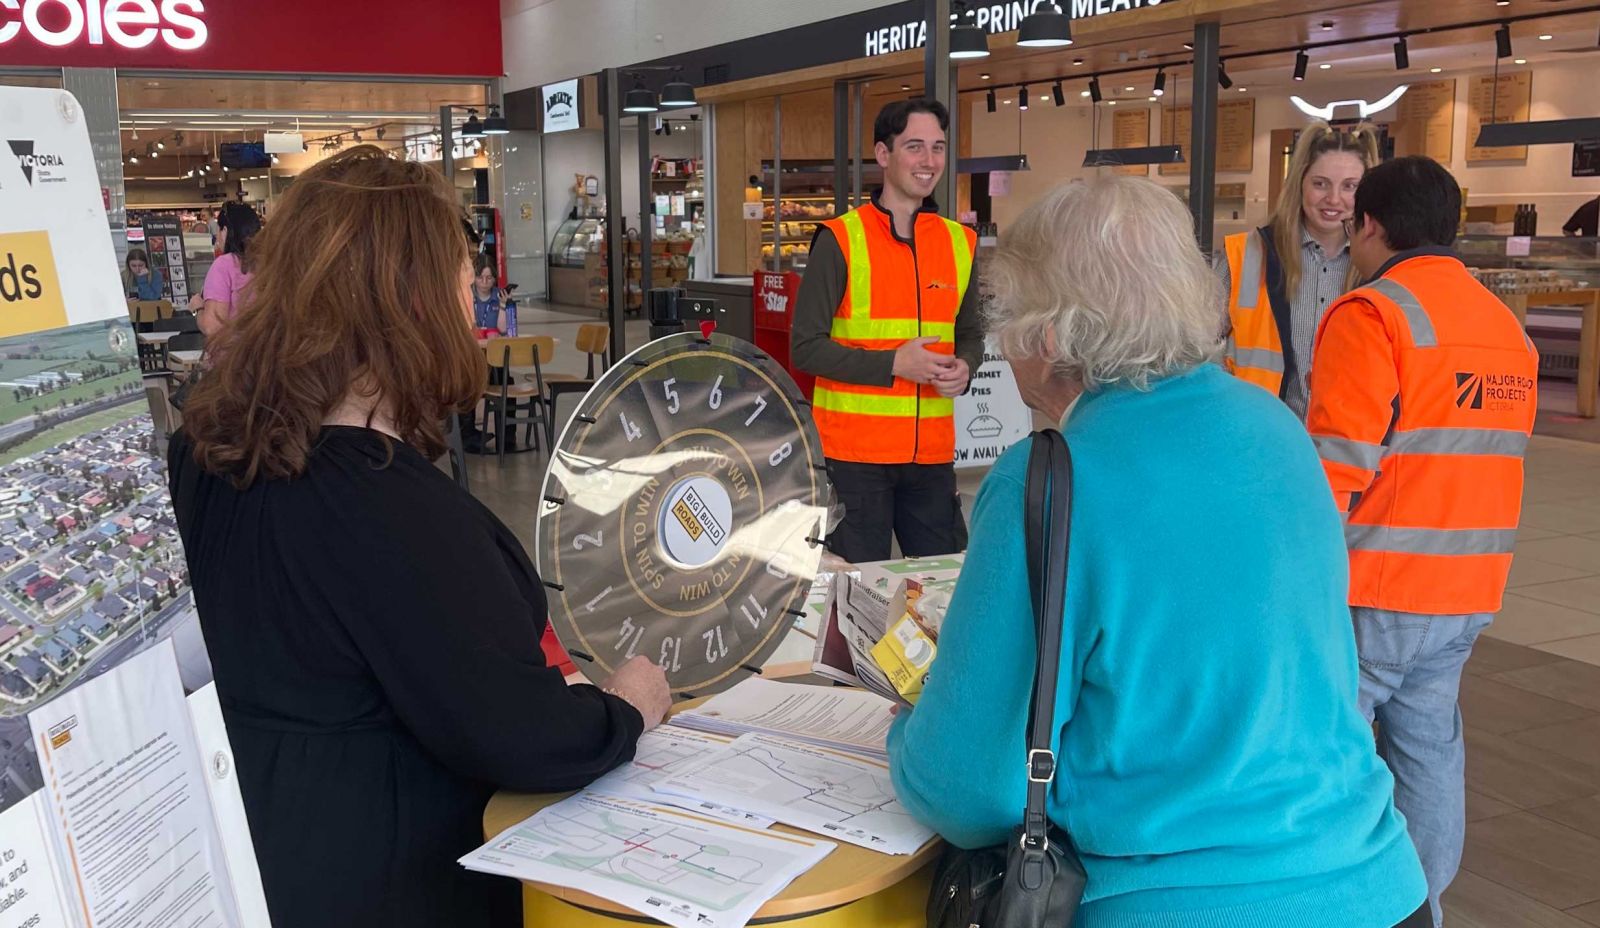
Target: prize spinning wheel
x,y
683,512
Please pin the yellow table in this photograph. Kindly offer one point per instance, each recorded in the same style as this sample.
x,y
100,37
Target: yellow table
x,y
851,888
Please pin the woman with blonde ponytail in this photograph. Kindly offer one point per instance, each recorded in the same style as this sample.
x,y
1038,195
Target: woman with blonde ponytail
x,y
1280,279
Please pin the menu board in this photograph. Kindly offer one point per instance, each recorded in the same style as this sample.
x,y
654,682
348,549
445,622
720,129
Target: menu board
x,y
1508,98
1425,121
1236,135
163,242
1131,129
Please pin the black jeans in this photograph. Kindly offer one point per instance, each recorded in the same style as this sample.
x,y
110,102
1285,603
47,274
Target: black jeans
x,y
916,502
1421,918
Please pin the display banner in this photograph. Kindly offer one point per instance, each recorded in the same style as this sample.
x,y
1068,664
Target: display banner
x,y
559,106
118,799
990,416
163,243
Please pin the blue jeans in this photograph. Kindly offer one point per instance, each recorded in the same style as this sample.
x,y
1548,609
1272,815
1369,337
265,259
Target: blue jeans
x,y
1410,677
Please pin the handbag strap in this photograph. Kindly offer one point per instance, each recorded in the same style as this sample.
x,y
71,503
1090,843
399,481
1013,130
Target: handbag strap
x,y
1049,520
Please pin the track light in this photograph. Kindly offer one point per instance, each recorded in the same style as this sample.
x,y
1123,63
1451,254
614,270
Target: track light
x,y
1022,98
1060,95
1402,55
380,132
1094,89
1046,28
1502,41
966,39
1160,88
161,145
1301,61
356,137
1223,80
989,105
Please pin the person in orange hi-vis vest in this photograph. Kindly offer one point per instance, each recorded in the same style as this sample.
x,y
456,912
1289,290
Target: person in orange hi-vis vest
x,y
1279,280
1423,391
887,319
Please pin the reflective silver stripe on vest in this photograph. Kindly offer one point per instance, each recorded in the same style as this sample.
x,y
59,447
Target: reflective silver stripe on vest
x,y
1347,451
1251,274
1421,326
1499,442
1261,358
1448,541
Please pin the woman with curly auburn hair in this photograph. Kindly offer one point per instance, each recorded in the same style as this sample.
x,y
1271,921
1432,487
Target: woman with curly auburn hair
x,y
374,630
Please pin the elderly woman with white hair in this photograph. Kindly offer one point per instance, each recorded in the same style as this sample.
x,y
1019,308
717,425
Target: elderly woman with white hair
x,y
1213,765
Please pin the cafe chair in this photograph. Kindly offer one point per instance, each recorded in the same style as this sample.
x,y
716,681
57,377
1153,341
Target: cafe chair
x,y
503,397
149,316
593,340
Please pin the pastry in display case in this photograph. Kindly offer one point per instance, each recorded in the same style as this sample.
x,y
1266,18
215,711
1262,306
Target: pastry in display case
x,y
804,200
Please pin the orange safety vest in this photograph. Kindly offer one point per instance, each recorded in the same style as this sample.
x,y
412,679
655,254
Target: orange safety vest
x,y
895,293
1255,349
1432,486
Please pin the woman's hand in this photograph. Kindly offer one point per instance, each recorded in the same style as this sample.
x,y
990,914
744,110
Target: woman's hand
x,y
644,686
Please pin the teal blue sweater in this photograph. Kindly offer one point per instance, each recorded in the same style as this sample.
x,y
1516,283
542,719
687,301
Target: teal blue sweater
x,y
1215,771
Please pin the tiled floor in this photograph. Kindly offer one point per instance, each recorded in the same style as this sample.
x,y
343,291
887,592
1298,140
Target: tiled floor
x,y
1530,700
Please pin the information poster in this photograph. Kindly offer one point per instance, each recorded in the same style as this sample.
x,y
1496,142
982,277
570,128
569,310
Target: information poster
x,y
1425,121
103,668
1236,136
1131,129
163,242
1492,101
990,416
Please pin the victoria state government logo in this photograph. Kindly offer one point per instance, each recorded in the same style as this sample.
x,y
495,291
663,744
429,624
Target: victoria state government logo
x,y
37,167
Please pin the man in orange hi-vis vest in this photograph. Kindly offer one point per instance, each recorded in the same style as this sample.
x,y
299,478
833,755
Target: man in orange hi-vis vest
x,y
888,321
1422,399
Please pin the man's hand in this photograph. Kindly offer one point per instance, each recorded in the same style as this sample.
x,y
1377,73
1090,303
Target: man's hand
x,y
952,381
914,362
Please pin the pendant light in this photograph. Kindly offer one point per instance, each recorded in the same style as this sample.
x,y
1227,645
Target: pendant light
x,y
473,127
1045,28
640,99
966,39
1402,55
1022,98
1301,60
494,125
1160,88
678,93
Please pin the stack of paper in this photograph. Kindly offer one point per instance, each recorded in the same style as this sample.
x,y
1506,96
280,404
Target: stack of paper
x,y
663,753
671,866
832,717
833,793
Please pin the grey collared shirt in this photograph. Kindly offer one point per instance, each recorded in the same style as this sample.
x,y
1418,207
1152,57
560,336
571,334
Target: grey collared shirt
x,y
1322,281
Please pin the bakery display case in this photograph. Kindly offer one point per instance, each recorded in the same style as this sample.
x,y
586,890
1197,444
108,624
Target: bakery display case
x,y
577,262
1552,283
795,201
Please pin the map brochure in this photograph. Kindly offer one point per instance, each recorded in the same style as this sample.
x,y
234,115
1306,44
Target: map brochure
x,y
668,865
838,795
661,754
831,717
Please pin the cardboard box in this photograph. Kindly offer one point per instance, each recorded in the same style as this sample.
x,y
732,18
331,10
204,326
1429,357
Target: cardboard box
x,y
1495,212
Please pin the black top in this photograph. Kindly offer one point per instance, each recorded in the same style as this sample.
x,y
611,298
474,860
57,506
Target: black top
x,y
1585,220
374,631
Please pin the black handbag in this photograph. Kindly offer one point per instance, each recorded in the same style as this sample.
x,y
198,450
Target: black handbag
x,y
1035,880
